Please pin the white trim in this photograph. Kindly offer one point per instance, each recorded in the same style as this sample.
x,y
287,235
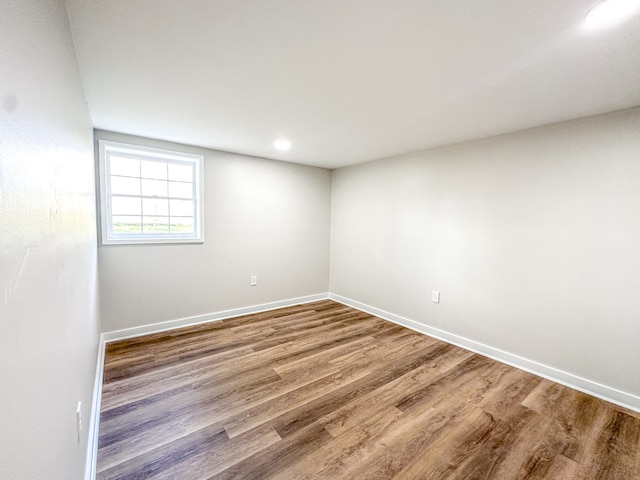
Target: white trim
x,y
208,317
604,392
94,422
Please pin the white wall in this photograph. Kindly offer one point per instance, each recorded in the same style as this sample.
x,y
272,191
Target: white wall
x,y
262,217
533,240
48,312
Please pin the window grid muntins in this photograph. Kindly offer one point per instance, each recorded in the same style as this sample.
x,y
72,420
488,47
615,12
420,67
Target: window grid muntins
x,y
151,196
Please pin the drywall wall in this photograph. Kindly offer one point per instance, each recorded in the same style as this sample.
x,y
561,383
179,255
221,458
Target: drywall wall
x,y
262,217
48,255
532,239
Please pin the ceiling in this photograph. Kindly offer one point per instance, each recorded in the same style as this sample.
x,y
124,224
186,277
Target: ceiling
x,y
346,81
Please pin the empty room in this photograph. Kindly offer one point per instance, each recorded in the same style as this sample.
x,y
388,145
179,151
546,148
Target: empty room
x,y
319,239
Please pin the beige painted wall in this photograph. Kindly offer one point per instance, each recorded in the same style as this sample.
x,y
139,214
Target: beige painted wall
x,y
533,240
48,312
262,217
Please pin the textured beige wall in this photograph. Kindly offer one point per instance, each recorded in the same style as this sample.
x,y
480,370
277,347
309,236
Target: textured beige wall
x,y
532,239
262,217
48,311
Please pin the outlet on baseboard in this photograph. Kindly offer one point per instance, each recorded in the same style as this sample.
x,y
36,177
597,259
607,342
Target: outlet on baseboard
x,y
254,280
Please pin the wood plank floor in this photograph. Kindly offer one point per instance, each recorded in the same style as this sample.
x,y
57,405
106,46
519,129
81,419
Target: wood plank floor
x,y
323,391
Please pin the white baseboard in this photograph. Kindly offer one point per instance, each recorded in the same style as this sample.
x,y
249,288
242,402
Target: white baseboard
x,y
609,394
208,317
94,421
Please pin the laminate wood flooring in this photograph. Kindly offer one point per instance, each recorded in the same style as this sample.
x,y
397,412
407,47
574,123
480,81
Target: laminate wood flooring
x,y
323,391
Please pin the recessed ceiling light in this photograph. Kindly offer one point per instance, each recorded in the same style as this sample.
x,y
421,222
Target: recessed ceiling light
x,y
608,12
282,144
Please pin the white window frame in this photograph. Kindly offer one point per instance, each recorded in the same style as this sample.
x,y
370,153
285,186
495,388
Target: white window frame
x,y
108,237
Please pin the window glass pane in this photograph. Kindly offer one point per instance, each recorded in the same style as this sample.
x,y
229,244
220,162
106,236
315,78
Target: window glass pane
x,y
125,186
181,189
153,169
182,225
125,205
126,167
180,173
156,224
155,207
154,188
181,208
122,224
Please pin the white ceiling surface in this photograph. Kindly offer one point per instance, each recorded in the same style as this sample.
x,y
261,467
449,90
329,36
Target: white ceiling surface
x,y
347,81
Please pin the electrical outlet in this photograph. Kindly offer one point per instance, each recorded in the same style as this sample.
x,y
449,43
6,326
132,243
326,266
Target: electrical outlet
x,y
435,296
254,280
79,419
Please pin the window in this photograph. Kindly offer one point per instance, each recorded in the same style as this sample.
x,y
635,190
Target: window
x,y
149,195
